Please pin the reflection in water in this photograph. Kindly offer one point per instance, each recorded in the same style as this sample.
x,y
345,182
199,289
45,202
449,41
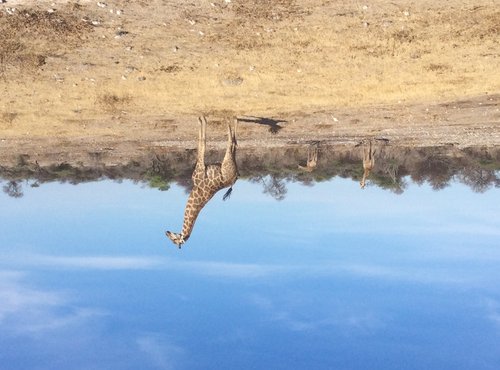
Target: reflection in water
x,y
312,158
207,180
416,284
396,167
368,162
13,189
273,185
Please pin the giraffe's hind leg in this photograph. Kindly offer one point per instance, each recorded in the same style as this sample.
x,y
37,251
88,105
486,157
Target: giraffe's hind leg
x,y
203,128
231,132
228,166
200,160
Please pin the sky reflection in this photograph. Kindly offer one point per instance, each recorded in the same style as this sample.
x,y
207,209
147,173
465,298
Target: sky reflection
x,y
330,277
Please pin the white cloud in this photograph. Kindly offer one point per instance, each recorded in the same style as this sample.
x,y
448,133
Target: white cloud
x,y
54,327
492,311
292,315
161,352
421,272
234,270
210,268
27,310
84,262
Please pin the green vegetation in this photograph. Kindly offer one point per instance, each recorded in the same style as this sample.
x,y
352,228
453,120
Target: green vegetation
x,y
156,181
273,168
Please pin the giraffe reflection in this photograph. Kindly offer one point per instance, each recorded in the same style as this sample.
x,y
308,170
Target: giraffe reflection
x,y
312,158
368,162
207,180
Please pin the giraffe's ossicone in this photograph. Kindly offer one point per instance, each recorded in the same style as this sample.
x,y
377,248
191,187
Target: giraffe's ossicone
x,y
207,180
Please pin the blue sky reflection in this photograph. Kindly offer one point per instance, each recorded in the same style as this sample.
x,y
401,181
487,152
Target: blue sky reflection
x,y
330,277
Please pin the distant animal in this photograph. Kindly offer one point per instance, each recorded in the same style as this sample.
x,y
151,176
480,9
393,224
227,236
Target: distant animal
x,y
368,163
312,158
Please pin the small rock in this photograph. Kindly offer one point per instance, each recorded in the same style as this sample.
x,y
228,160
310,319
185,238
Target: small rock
x,y
141,78
102,5
120,33
236,81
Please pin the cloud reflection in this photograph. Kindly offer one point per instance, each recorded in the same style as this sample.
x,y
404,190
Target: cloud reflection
x,y
52,329
291,312
161,353
26,310
421,274
493,311
208,268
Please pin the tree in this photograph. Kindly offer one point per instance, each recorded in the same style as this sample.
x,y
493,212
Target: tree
x,y
13,189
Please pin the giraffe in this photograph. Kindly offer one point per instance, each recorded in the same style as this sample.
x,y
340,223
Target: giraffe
x,y
207,180
312,158
368,163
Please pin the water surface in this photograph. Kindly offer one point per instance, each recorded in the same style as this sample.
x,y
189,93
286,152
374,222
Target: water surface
x,y
328,277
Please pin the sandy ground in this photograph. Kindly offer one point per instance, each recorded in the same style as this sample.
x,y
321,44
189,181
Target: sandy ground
x,y
126,75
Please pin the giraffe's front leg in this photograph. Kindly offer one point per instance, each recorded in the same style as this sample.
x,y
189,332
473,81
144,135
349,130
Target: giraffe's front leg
x,y
231,132
202,138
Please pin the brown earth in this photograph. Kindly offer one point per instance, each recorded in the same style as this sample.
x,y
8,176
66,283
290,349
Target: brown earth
x,y
130,75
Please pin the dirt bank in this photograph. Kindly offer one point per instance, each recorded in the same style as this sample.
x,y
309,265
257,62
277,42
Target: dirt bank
x,y
82,73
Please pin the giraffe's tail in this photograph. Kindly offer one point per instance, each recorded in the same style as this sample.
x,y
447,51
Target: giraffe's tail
x,y
228,194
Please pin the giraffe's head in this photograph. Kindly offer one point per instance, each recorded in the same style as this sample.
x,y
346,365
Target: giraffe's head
x,y
177,239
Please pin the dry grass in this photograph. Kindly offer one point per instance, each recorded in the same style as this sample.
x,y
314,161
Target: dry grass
x,y
14,54
257,10
249,57
113,103
28,36
41,24
8,117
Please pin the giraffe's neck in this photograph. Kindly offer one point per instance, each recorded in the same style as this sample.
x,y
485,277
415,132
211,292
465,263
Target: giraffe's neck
x,y
366,173
197,200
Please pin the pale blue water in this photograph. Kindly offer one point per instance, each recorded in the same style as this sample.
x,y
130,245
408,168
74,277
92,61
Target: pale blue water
x,y
332,277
